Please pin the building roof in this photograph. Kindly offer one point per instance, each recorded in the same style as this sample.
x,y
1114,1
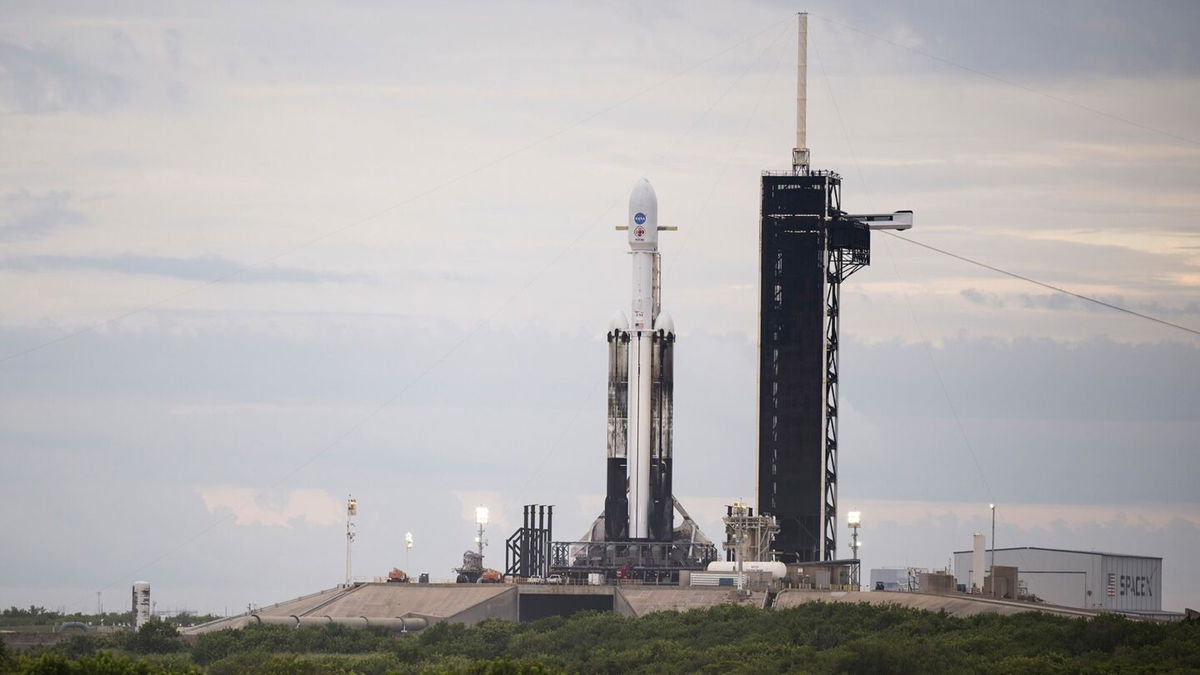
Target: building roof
x,y
1067,550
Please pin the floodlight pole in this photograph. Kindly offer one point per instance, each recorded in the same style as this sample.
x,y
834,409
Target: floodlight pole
x,y
351,511
854,520
854,547
992,564
739,512
481,519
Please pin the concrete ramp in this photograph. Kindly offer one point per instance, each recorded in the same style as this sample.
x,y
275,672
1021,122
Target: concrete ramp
x,y
296,606
464,603
434,601
954,605
472,603
643,600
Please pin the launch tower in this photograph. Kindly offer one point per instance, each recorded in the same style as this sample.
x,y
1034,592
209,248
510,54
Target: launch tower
x,y
807,247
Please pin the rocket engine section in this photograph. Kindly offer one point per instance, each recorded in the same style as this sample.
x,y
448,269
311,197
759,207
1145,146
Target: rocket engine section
x,y
639,504
661,423
616,501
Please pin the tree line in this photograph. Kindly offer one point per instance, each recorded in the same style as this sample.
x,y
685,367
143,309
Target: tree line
x,y
815,637
34,615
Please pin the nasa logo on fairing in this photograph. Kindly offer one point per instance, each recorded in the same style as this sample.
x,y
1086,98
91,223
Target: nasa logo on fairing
x,y
639,218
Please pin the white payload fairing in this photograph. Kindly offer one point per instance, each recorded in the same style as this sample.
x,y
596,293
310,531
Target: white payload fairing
x,y
640,390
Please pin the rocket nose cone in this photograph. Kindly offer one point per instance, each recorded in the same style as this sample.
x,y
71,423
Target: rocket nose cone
x,y
618,322
643,217
643,195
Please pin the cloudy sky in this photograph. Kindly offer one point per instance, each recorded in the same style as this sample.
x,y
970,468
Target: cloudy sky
x,y
255,258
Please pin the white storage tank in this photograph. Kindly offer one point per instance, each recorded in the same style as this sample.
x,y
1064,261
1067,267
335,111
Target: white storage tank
x,y
141,603
778,570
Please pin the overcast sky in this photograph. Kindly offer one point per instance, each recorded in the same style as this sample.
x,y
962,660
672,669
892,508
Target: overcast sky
x,y
255,258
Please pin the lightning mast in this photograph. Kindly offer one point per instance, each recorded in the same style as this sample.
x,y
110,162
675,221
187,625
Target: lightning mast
x,y
800,152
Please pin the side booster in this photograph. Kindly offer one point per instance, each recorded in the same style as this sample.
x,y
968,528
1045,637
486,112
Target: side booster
x,y
639,504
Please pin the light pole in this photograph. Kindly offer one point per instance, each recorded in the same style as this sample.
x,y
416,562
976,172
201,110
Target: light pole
x,y
854,519
739,513
992,564
407,550
351,511
481,519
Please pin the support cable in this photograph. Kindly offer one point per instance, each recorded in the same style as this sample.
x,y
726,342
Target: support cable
x,y
912,315
1056,289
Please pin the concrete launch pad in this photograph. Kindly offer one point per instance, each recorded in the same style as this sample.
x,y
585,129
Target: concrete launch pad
x,y
954,605
472,603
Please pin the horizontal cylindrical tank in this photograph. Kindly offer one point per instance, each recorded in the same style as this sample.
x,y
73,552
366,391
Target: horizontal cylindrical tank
x,y
777,569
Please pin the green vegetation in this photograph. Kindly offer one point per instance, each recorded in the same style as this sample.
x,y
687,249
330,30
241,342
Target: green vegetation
x,y
818,638
39,619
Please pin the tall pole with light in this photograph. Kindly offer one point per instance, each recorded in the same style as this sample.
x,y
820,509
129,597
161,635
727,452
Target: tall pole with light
x,y
351,511
992,563
854,520
481,519
738,512
408,541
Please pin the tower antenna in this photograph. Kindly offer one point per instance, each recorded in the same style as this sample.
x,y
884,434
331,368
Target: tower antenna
x,y
800,152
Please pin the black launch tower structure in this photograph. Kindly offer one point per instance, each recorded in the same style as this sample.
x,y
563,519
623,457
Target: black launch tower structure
x,y
808,247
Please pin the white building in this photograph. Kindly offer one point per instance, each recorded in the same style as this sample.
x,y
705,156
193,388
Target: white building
x,y
892,578
1085,579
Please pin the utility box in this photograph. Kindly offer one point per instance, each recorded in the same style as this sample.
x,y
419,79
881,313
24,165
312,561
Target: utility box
x,y
936,582
1004,580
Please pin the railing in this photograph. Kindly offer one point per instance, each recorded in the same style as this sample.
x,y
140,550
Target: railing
x,y
811,172
591,556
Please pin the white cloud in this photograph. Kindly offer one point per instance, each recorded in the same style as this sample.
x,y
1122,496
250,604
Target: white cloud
x,y
251,507
1029,516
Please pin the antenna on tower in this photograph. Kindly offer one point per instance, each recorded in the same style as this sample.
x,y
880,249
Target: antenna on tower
x,y
800,152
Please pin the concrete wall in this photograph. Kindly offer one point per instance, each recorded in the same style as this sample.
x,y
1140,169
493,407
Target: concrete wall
x,y
1057,588
501,606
